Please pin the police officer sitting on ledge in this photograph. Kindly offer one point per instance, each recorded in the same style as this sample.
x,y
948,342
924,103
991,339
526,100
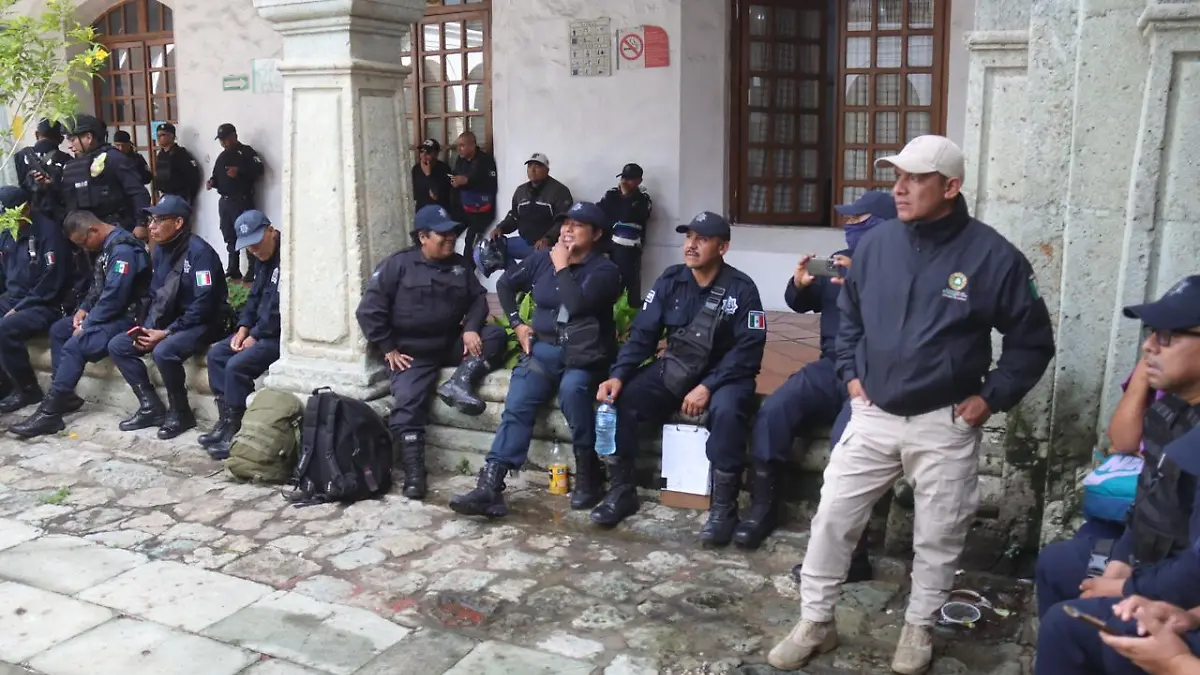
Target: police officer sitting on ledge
x,y
424,310
570,342
124,142
187,304
35,274
121,279
716,331
237,360
101,179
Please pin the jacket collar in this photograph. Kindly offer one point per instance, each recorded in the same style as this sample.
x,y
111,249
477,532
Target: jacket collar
x,y
943,229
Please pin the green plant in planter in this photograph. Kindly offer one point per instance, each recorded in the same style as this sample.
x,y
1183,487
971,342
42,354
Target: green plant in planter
x,y
237,296
623,316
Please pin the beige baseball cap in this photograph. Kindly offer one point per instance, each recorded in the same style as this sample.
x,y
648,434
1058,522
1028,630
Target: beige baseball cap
x,y
928,154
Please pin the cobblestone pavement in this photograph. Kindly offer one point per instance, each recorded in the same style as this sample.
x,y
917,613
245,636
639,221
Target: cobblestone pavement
x,y
126,555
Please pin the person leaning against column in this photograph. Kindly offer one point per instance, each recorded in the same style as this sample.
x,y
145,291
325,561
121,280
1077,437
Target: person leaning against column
x,y
914,349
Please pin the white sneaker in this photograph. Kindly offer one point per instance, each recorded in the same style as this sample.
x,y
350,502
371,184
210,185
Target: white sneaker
x,y
914,651
806,640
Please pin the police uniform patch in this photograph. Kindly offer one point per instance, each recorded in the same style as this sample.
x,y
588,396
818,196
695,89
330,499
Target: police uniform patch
x,y
98,164
275,276
50,258
458,270
756,320
957,282
187,266
204,278
649,299
729,305
121,267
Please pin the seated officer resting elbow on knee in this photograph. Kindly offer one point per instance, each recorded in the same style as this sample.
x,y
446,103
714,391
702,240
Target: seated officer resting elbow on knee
x,y
566,347
234,362
121,279
424,309
716,332
187,303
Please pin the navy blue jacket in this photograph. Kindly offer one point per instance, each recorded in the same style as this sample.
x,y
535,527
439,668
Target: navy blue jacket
x,y
202,289
43,156
250,169
589,288
36,269
126,268
672,303
819,297
918,308
261,313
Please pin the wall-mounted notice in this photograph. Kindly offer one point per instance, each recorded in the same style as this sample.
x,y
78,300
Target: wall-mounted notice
x,y
591,48
643,47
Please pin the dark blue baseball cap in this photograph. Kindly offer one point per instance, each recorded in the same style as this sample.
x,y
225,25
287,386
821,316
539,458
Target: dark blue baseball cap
x,y
12,197
586,213
434,218
707,224
1177,309
170,205
250,228
873,202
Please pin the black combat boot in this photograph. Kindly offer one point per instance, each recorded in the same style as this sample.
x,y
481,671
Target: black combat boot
x,y
458,392
47,419
234,269
25,394
760,522
487,499
213,437
220,449
722,510
589,479
411,451
621,500
179,413
150,412
70,402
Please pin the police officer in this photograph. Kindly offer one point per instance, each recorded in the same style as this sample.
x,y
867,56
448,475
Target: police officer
x,y
237,360
474,184
117,297
1158,529
187,304
178,172
536,205
102,179
36,273
716,332
234,175
431,179
123,142
39,171
568,343
813,396
424,310
628,208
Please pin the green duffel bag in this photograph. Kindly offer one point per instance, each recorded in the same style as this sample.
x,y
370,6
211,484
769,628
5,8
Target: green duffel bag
x,y
266,447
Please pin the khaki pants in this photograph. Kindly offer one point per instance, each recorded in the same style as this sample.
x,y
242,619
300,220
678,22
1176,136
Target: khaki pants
x,y
939,454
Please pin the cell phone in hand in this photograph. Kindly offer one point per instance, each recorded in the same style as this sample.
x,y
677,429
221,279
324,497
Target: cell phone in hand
x,y
822,267
1096,622
136,332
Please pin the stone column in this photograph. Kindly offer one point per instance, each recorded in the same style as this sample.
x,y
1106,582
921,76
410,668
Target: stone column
x,y
346,202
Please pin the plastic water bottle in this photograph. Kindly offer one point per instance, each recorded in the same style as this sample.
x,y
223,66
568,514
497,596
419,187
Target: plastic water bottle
x,y
606,430
558,471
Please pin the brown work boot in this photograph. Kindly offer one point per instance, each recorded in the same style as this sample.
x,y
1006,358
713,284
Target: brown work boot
x,y
806,640
914,651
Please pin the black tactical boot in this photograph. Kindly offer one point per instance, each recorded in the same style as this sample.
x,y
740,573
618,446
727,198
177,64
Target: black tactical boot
x,y
150,412
487,499
47,419
70,402
621,501
722,510
458,392
589,479
220,449
213,437
26,393
759,523
179,413
412,457
234,269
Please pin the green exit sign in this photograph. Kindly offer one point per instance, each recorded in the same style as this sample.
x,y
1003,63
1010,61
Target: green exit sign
x,y
235,82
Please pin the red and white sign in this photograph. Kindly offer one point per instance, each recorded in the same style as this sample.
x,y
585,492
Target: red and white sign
x,y
643,47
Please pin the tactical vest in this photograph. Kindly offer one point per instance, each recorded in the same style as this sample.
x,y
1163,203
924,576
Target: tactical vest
x,y
1158,519
689,348
91,184
164,168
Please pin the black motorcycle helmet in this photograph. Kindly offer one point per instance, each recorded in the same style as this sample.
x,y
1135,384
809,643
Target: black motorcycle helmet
x,y
491,255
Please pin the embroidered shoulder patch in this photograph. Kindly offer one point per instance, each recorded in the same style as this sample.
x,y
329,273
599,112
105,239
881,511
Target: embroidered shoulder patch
x,y
756,320
204,278
121,267
649,299
50,259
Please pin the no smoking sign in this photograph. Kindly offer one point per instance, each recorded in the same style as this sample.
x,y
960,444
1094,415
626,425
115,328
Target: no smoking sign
x,y
632,47
643,47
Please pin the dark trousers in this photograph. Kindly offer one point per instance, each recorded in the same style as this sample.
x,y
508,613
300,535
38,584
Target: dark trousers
x,y
231,374
533,382
1062,566
168,355
518,250
477,224
1069,646
411,387
15,332
644,399
811,397
71,353
628,260
229,209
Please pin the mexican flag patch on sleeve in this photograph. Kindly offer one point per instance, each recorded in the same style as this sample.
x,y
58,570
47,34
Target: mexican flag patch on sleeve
x,y
121,267
757,320
204,278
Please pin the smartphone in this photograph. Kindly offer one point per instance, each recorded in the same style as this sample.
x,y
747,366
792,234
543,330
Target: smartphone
x,y
822,267
1089,619
136,332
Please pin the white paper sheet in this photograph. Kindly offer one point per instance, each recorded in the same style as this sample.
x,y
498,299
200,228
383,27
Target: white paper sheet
x,y
684,460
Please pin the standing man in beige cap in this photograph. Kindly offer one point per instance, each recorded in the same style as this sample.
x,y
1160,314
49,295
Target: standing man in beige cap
x,y
914,350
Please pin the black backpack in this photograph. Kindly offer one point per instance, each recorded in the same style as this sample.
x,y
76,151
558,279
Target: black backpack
x,y
345,452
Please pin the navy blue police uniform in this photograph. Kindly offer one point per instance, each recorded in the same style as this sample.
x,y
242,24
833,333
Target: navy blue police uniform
x,y
628,215
36,273
475,202
135,158
104,180
421,308
237,193
188,301
178,172
732,311
44,157
574,339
